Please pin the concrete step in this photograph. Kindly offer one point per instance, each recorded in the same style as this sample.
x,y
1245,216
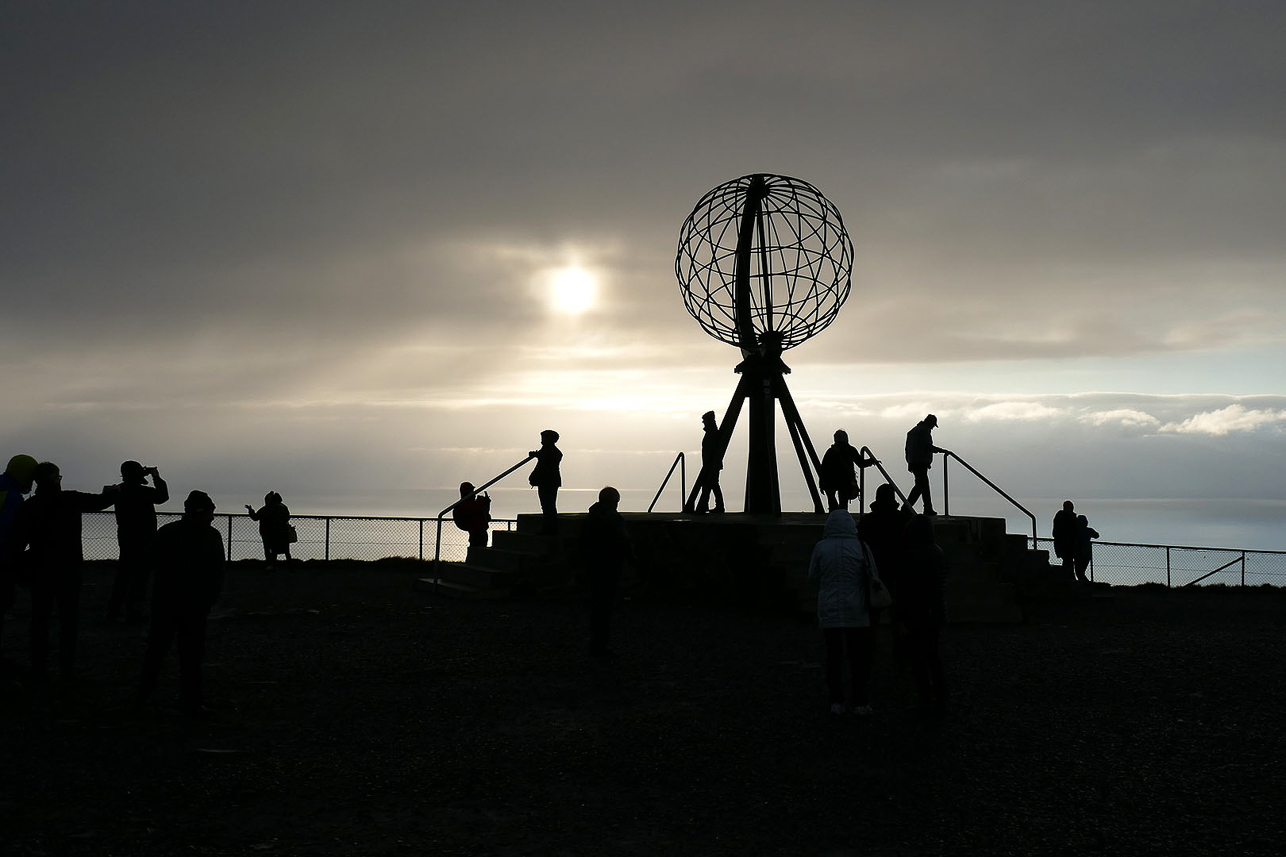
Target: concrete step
x,y
501,559
462,591
532,543
479,576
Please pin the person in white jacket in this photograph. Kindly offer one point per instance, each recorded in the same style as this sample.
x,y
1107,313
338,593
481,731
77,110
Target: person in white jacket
x,y
841,566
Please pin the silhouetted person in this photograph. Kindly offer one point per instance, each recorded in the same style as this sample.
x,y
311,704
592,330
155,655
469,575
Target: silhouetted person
x,y
839,471
546,478
919,458
921,603
711,464
840,565
881,530
136,504
187,559
50,523
604,547
1065,538
14,483
274,527
1085,534
472,514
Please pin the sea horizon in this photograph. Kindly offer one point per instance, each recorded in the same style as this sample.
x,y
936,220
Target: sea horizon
x,y
1246,524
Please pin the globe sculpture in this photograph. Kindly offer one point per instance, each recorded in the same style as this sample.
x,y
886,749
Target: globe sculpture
x,y
764,263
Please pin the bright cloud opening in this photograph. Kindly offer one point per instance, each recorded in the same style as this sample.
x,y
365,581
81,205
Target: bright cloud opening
x,y
573,290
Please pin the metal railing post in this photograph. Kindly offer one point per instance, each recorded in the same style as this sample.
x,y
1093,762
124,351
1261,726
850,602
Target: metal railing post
x,y
328,538
1243,568
229,538
421,539
680,461
1167,568
946,489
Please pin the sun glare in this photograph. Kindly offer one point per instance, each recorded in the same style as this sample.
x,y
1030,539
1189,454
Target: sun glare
x,y
573,290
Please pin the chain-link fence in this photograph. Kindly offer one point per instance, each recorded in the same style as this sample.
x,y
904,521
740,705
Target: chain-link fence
x,y
1124,564
320,536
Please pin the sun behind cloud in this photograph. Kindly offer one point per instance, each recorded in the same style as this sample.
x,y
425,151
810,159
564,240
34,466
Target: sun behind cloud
x,y
572,290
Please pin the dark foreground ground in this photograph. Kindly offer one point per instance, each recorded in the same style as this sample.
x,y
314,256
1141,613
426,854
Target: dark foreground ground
x,y
358,716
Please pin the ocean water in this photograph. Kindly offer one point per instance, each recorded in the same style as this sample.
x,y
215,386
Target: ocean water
x,y
1227,523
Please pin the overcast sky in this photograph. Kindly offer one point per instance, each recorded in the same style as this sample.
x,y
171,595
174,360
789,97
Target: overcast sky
x,y
313,246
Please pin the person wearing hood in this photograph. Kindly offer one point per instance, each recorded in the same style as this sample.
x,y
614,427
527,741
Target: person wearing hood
x,y
546,478
50,522
841,567
136,503
186,557
604,547
14,483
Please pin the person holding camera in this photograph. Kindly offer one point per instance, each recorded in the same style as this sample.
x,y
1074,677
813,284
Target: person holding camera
x,y
136,503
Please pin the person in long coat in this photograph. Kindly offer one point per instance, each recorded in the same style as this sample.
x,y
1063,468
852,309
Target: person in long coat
x,y
274,527
547,478
841,567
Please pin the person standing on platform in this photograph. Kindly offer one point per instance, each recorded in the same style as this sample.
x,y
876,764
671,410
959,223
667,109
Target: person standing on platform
x,y
136,504
14,483
604,547
187,559
546,478
50,523
711,464
841,567
919,458
839,473
472,514
1065,538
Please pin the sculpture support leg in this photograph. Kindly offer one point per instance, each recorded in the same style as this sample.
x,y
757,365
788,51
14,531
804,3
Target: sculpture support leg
x,y
762,493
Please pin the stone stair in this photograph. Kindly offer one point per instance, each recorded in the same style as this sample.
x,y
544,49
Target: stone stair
x,y
753,559
515,561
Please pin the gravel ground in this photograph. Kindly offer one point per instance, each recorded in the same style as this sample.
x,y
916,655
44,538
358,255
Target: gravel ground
x,y
355,715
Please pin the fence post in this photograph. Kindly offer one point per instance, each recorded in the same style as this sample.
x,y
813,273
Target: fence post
x,y
229,538
1243,568
421,540
1167,567
328,538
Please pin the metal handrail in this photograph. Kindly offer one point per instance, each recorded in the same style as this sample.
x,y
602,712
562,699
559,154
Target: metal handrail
x,y
437,547
946,493
861,479
682,464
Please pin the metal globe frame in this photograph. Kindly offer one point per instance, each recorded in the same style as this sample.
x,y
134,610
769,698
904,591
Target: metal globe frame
x,y
764,263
